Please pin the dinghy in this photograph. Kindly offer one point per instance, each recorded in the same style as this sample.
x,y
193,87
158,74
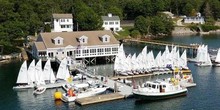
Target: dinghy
x,y
39,90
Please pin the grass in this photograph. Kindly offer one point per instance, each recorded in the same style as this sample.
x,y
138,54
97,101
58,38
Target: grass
x,y
125,33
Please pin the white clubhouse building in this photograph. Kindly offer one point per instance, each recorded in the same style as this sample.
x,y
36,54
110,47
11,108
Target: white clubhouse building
x,y
111,23
78,45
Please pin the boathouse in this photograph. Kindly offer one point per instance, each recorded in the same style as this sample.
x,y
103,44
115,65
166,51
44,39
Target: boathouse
x,y
111,23
80,45
62,23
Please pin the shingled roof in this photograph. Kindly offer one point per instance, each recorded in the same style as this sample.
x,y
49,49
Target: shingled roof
x,y
58,16
107,18
71,38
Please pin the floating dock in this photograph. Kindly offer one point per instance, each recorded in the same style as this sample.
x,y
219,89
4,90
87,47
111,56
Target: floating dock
x,y
121,90
99,98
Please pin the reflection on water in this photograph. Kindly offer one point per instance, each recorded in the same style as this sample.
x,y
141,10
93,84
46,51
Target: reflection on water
x,y
216,70
105,70
203,70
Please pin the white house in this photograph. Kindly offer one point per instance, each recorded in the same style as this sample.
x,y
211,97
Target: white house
x,y
62,23
111,22
197,20
79,45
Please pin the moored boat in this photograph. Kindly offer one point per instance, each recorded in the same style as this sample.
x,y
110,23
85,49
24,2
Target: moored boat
x,y
72,95
23,79
156,90
39,90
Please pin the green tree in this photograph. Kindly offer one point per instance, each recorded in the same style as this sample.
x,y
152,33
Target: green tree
x,y
89,20
161,24
135,33
142,25
188,9
115,11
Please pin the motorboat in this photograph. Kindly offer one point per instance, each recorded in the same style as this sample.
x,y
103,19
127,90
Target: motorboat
x,y
67,86
159,89
72,94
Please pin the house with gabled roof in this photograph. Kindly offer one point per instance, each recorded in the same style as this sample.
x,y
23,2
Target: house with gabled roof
x,y
111,22
79,45
62,23
198,19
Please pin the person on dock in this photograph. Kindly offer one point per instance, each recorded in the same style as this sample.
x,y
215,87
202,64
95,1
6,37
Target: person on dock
x,y
71,92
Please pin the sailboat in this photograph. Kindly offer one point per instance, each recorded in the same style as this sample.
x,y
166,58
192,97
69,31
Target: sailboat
x,y
63,71
48,73
204,59
183,61
31,71
23,81
39,73
217,59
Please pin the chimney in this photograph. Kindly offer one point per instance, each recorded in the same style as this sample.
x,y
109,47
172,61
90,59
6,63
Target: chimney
x,y
109,15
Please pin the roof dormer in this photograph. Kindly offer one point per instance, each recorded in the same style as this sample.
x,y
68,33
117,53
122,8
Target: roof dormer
x,y
58,40
83,39
105,38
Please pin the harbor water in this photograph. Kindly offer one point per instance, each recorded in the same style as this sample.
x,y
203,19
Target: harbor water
x,y
206,95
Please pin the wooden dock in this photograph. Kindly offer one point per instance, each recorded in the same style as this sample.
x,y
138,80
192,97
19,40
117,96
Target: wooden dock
x,y
164,43
121,90
99,98
145,75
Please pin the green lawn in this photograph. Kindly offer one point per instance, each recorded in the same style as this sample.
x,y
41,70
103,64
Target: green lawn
x,y
125,32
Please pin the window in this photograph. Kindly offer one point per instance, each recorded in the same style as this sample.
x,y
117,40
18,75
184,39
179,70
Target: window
x,y
62,26
67,20
106,23
56,20
116,29
111,23
106,39
116,22
58,41
154,86
62,20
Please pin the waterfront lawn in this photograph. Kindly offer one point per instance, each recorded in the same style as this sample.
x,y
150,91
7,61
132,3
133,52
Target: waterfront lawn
x,y
125,33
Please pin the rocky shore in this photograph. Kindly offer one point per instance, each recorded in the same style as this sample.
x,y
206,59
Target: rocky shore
x,y
183,31
188,31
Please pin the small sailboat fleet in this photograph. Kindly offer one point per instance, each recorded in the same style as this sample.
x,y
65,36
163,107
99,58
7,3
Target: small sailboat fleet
x,y
35,76
145,62
23,79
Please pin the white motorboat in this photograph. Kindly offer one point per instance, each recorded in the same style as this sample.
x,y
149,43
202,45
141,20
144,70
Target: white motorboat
x,y
156,90
71,96
39,90
66,87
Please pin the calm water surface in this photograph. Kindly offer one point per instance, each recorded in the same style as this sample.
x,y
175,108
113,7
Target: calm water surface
x,y
206,95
